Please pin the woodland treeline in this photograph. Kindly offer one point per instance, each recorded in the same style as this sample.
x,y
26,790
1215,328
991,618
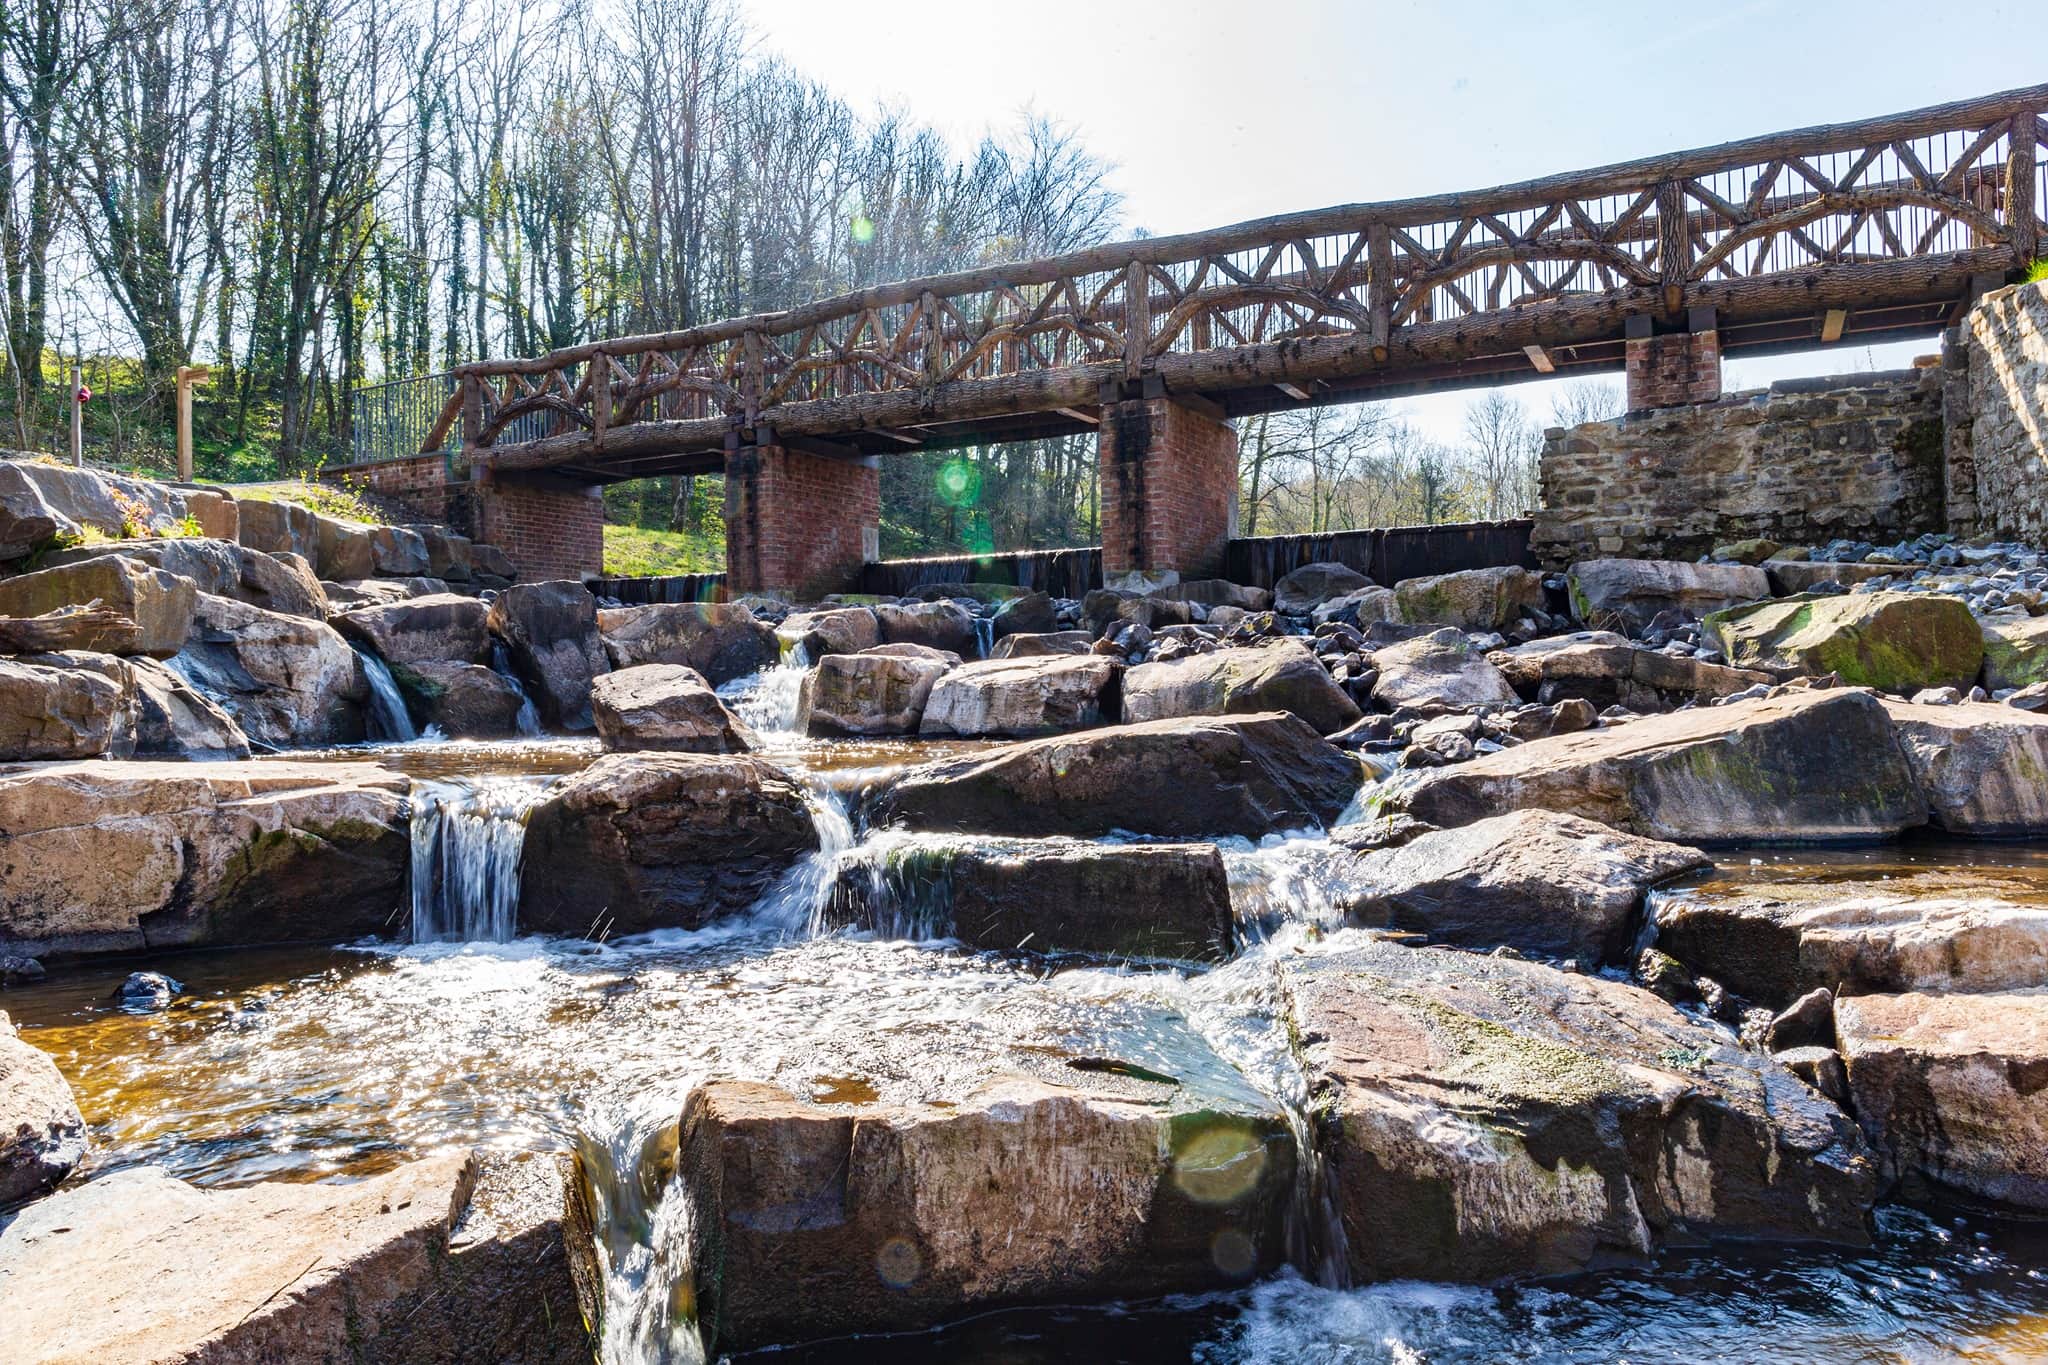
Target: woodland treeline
x,y
315,195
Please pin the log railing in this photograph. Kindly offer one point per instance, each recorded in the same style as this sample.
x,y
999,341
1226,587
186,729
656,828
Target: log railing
x,y
1862,208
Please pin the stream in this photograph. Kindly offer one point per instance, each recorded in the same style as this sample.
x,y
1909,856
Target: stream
x,y
314,1063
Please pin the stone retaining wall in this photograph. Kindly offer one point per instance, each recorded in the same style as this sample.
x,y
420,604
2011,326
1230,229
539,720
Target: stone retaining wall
x,y
2004,410
1800,463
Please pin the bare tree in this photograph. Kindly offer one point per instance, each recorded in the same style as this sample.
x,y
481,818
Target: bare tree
x,y
1501,445
1586,400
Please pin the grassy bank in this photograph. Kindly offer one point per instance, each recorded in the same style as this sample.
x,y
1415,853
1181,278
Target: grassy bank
x,y
642,552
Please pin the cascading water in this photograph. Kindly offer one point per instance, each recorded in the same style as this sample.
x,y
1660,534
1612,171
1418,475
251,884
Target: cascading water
x,y
467,839
984,636
527,723
387,709
767,702
645,1221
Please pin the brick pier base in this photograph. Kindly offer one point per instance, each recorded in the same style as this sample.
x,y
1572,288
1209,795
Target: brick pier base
x,y
549,527
1169,488
798,523
1673,370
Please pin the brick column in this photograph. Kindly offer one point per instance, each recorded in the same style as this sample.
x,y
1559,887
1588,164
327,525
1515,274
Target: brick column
x,y
1672,370
798,523
549,527
1169,488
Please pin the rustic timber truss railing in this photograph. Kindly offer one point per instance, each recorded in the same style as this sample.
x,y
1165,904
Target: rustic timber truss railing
x,y
1878,220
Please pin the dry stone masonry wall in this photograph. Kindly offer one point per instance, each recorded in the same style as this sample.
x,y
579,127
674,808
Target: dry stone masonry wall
x,y
2006,412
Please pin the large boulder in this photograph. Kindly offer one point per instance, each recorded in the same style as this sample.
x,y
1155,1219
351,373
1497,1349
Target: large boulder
x,y
131,857
452,1258
1049,895
440,628
2015,652
345,549
42,502
155,608
1031,614
1216,592
469,701
1982,767
721,640
1439,669
281,528
836,630
663,706
1311,585
283,583
288,681
1487,1117
1360,608
1027,696
1860,930
1471,599
1250,775
1535,881
644,841
812,1220
51,711
877,692
1792,576
1893,641
1810,765
551,630
1607,669
935,625
42,1135
1280,675
399,552
1954,1088
1627,594
1032,646
167,716
378,592
449,556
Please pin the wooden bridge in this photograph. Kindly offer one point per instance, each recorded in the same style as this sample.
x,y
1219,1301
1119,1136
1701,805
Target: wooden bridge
x,y
1843,234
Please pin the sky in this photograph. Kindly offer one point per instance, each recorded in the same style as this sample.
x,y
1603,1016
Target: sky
x,y
1217,112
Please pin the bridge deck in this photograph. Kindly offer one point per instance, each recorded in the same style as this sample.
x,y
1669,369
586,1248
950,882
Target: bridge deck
x,y
1849,233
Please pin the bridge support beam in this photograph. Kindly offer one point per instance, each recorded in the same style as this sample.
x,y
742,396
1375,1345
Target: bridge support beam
x,y
1674,368
797,522
1168,486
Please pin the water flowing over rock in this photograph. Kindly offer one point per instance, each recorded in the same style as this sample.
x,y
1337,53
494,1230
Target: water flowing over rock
x,y
467,840
122,857
721,640
1311,585
1954,1088
1438,669
1048,895
1902,927
1030,1189
1281,675
1536,881
155,607
1983,768
1810,765
642,841
282,583
455,1258
1609,670
1472,599
441,627
173,719
389,719
871,693
1027,696
1893,641
551,631
42,1134
1250,775
664,706
288,681
1489,1117
1627,594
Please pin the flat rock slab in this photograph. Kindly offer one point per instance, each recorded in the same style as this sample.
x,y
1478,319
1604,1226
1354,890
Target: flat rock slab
x,y
1250,775
1954,1088
1486,1117
122,857
1809,765
1536,881
138,1266
1611,670
820,1220
1772,938
1023,696
1045,895
1983,767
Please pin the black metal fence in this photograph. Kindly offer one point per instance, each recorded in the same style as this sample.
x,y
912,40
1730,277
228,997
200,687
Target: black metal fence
x,y
391,420
682,587
1385,556
1062,573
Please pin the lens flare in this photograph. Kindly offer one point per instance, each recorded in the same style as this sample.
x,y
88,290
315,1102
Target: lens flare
x,y
898,1263
1220,1164
861,229
959,483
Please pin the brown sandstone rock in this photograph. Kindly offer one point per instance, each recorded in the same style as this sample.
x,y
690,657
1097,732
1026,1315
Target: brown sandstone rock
x,y
1029,646
1472,599
721,640
440,628
1983,767
1609,670
551,632
1280,675
836,630
1437,669
49,711
1023,696
42,1135
282,583
663,706
936,625
156,606
870,693
287,680
1627,593
464,700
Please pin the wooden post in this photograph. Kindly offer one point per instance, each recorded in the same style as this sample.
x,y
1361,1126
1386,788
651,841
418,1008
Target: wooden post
x,y
1379,285
2020,209
1137,319
1674,244
77,415
188,375
600,397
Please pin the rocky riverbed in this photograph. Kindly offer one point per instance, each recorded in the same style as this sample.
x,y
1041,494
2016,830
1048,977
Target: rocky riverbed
x,y
1643,961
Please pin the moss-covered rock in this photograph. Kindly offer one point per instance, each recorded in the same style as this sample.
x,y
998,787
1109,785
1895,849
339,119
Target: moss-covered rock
x,y
1893,641
2015,652
1472,599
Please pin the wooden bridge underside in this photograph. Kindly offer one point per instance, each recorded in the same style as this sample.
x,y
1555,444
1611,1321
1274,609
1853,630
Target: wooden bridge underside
x,y
1846,234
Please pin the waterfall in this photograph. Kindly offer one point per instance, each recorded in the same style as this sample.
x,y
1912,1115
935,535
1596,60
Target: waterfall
x,y
528,721
644,1218
387,709
984,636
895,884
800,904
467,838
767,702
